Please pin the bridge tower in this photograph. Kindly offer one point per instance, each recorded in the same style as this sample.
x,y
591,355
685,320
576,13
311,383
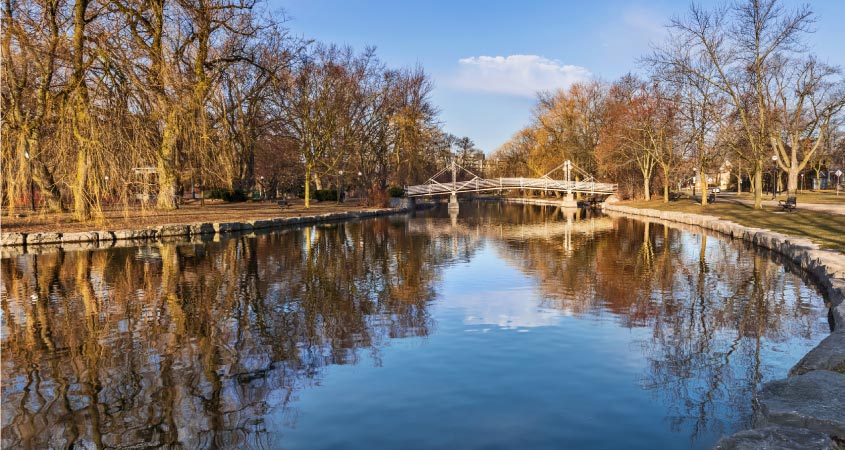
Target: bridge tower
x,y
569,200
453,197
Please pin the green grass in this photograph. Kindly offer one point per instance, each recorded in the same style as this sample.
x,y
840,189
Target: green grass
x,y
827,230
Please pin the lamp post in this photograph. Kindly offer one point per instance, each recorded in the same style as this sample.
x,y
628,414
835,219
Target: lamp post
x,y
774,174
106,179
31,185
801,184
261,187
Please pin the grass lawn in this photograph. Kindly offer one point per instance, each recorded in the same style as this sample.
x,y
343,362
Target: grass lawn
x,y
827,230
820,197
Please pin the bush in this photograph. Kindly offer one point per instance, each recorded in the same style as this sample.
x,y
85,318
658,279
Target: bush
x,y
323,195
228,195
396,191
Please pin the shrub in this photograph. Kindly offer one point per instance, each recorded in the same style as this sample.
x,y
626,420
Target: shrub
x,y
228,195
396,191
323,195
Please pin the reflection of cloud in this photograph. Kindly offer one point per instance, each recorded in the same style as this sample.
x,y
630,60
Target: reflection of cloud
x,y
521,75
506,309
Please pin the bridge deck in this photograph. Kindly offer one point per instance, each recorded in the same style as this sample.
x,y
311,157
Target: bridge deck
x,y
495,184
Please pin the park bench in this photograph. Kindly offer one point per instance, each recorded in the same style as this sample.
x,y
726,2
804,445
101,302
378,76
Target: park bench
x,y
674,196
711,198
284,204
788,204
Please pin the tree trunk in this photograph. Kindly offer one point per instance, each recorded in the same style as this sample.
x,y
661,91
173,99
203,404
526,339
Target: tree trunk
x,y
81,202
43,177
165,165
792,180
758,185
307,186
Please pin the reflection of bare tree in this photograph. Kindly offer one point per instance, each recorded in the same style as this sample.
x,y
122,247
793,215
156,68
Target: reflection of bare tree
x,y
193,344
711,307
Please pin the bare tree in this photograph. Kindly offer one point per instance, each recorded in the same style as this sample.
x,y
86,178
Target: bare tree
x,y
806,98
732,49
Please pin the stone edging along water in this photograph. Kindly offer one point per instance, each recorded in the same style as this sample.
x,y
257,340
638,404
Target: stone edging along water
x,y
22,243
807,409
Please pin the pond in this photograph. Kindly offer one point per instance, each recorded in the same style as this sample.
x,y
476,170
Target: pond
x,y
506,326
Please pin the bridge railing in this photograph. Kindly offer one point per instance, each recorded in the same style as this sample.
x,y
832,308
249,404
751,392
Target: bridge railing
x,y
492,184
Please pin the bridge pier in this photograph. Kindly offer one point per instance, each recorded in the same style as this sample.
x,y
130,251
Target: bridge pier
x,y
569,201
453,201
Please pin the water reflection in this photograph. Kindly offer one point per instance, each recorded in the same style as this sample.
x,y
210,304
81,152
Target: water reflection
x,y
709,304
191,344
194,344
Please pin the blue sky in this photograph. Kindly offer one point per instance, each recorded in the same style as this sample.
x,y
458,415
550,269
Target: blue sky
x,y
487,58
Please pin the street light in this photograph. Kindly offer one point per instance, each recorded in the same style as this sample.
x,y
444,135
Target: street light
x,y
774,174
801,184
261,187
106,179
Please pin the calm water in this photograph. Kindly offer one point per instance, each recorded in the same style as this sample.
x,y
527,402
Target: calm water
x,y
509,326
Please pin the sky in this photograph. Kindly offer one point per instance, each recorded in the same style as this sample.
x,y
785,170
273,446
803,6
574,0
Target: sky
x,y
488,58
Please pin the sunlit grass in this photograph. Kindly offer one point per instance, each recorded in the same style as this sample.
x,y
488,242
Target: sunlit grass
x,y
827,230
820,197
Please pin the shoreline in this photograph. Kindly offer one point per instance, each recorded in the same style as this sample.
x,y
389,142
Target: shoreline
x,y
808,406
20,243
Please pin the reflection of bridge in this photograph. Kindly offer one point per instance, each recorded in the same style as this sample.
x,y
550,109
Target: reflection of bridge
x,y
545,230
587,185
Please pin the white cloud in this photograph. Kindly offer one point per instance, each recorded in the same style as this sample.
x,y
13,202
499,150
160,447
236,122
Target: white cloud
x,y
520,75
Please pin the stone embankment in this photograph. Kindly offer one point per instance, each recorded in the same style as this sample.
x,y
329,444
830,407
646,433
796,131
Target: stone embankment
x,y
20,243
806,410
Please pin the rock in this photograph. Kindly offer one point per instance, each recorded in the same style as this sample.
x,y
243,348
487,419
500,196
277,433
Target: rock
x,y
43,238
227,227
90,236
105,238
838,313
828,355
12,239
259,224
120,235
134,234
202,228
815,400
777,438
173,230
